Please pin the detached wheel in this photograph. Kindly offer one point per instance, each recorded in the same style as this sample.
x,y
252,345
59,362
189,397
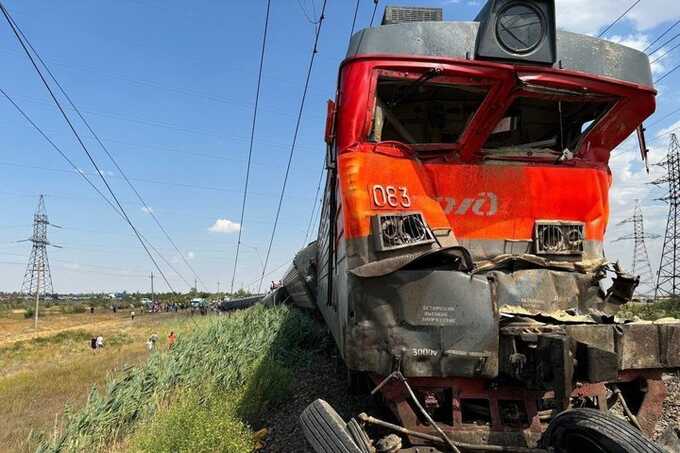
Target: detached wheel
x,y
325,430
589,430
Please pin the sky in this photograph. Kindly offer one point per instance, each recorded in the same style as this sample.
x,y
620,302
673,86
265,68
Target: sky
x,y
169,86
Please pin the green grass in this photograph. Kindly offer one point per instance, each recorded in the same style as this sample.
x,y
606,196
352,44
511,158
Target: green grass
x,y
194,421
246,360
652,311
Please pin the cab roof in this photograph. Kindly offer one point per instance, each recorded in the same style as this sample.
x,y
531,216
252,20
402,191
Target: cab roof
x,y
575,52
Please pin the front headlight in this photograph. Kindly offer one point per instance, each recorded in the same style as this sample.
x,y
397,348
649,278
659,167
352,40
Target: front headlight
x,y
393,231
559,238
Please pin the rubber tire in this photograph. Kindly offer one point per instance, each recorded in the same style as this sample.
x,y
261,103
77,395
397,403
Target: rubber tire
x,y
325,430
612,434
359,435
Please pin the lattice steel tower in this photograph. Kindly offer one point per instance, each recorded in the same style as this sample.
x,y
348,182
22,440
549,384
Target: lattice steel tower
x,y
667,279
641,264
38,279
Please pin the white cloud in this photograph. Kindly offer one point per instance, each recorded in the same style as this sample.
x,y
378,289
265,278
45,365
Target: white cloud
x,y
147,209
191,255
637,41
584,16
225,226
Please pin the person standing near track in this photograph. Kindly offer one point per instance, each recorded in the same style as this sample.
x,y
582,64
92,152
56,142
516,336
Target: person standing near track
x,y
171,340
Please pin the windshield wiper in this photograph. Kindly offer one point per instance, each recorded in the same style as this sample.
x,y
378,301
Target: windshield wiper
x,y
407,91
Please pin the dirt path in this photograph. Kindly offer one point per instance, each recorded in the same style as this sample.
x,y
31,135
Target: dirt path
x,y
108,324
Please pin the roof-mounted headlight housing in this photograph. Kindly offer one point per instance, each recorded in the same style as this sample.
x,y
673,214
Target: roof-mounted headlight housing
x,y
517,30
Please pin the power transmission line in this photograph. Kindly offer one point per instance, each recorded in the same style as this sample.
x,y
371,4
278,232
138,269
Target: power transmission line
x,y
664,117
354,19
295,135
84,176
323,167
79,139
661,36
668,275
375,8
150,181
306,14
668,41
618,18
252,139
667,73
148,210
316,199
661,57
641,264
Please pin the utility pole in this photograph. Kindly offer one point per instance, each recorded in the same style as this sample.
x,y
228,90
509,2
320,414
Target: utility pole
x,y
668,278
151,286
37,276
218,287
641,264
195,286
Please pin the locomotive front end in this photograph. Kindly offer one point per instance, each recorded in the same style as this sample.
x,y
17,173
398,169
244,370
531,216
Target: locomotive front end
x,y
461,236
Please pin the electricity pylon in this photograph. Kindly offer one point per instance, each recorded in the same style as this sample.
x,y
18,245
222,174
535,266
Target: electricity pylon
x,y
37,278
667,279
641,264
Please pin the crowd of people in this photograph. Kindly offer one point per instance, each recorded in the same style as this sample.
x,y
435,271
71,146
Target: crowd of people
x,y
151,342
97,342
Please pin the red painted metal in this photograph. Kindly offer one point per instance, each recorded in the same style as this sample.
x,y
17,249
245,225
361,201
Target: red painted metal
x,y
358,77
461,389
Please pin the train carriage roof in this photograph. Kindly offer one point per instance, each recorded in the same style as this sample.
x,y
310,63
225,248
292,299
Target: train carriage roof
x,y
574,51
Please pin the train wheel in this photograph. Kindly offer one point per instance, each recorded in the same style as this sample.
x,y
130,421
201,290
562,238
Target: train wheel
x,y
325,431
589,430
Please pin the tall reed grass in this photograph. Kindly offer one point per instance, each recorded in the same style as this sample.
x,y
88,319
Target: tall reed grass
x,y
247,358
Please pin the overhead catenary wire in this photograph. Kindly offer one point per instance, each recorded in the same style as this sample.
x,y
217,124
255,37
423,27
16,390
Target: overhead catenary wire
x,y
667,73
658,38
294,141
665,54
148,209
354,19
618,19
252,140
375,8
664,118
84,176
316,200
82,144
668,41
323,167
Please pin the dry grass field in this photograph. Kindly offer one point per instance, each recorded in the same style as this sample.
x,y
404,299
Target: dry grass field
x,y
42,372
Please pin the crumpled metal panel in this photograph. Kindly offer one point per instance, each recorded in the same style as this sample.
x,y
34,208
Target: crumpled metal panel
x,y
432,322
541,291
649,345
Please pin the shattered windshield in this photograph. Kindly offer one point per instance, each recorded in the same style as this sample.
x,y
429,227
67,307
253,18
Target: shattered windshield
x,y
551,124
423,110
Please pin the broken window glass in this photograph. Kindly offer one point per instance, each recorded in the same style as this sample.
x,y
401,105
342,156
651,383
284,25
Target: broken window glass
x,y
552,124
423,111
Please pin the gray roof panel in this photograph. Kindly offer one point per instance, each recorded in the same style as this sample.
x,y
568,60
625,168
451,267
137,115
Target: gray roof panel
x,y
457,40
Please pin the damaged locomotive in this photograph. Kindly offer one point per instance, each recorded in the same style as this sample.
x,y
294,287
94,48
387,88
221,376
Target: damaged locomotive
x,y
459,262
